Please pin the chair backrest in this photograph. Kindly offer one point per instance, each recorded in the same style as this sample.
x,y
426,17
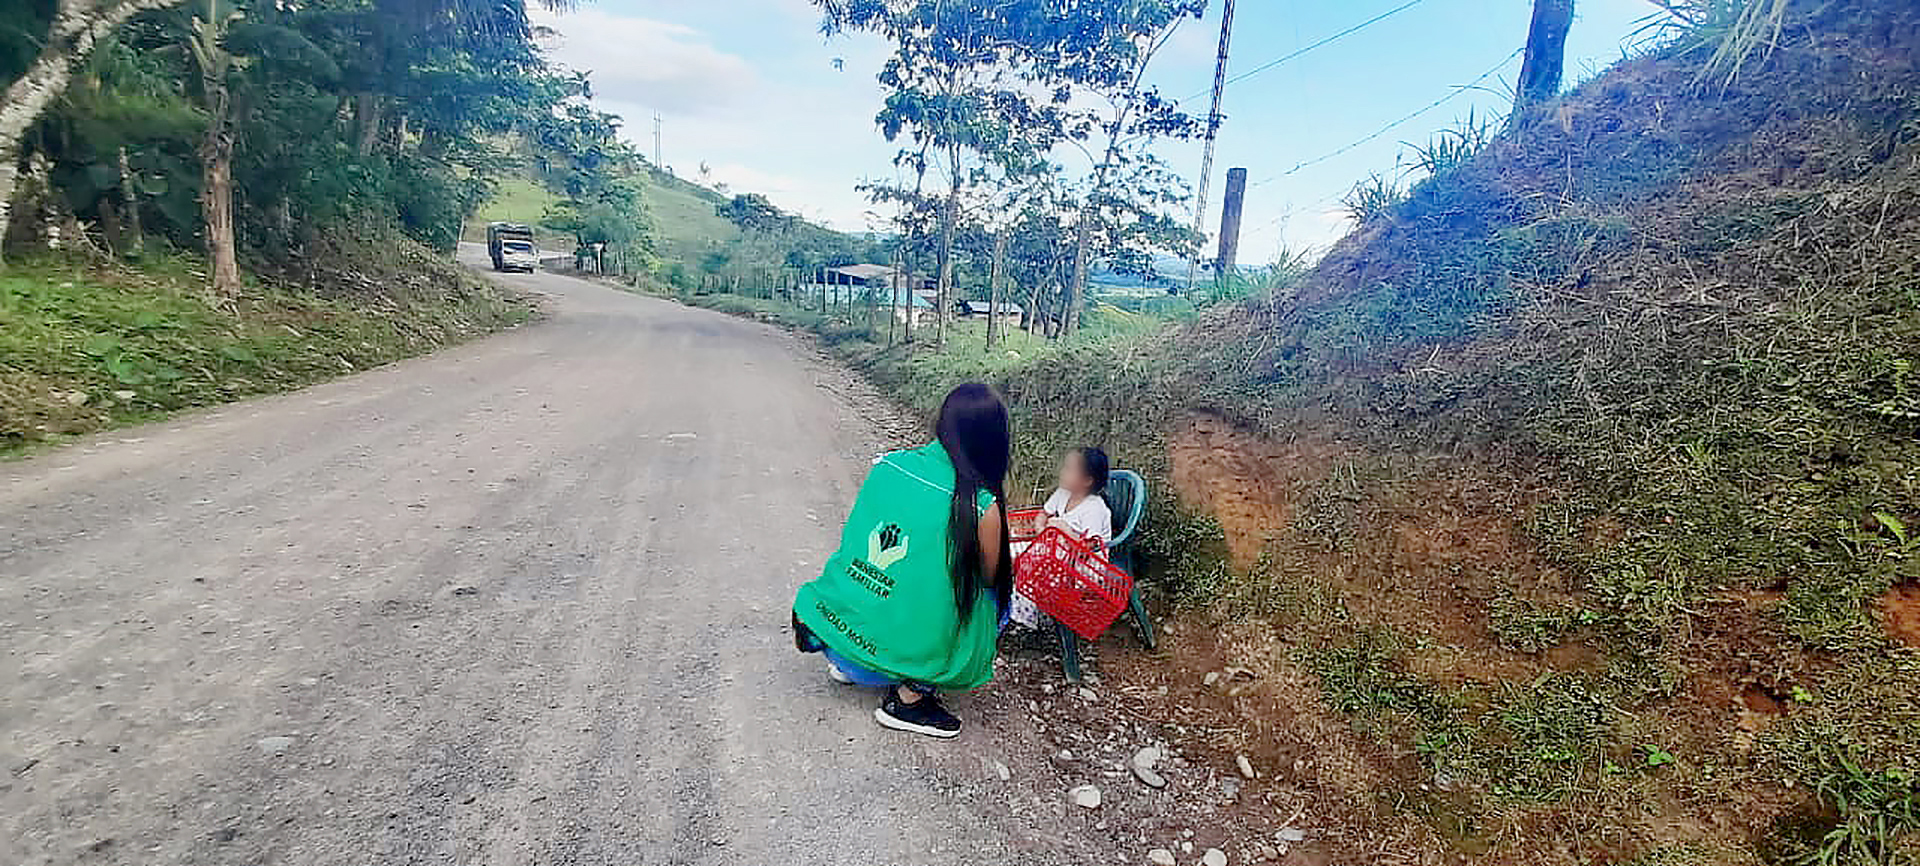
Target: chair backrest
x,y
1126,496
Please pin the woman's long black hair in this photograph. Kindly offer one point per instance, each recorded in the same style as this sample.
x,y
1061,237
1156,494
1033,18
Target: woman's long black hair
x,y
973,427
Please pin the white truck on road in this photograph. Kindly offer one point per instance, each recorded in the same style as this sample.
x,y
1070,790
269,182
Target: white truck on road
x,y
511,247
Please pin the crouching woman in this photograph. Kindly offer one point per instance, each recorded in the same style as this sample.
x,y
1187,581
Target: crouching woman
x,y
914,598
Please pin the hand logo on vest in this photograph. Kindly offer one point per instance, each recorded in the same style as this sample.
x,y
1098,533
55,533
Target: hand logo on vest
x,y
886,546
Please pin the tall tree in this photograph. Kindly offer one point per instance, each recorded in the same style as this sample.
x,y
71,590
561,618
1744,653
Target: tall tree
x,y
206,40
77,26
953,86
1103,57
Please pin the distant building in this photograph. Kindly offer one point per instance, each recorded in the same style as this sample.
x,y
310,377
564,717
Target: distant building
x,y
1008,313
880,285
869,276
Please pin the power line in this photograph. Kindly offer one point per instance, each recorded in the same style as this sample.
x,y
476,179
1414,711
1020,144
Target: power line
x,y
1320,44
1451,95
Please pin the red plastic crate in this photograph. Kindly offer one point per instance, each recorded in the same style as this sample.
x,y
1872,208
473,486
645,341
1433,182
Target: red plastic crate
x,y
1072,583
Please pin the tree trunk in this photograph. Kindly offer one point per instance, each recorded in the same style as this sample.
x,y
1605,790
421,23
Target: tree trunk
x,y
77,26
130,204
397,133
906,311
993,282
110,227
216,164
944,280
1546,59
9,178
366,121
216,208
1070,317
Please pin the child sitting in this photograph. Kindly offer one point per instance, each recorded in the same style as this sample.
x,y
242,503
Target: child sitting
x,y
1077,506
1077,509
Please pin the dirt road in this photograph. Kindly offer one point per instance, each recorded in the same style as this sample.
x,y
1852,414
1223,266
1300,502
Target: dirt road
x,y
520,602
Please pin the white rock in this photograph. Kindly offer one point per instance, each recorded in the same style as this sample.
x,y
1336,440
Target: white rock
x,y
1088,695
1214,857
1001,770
1246,766
1160,857
1148,757
1149,777
1086,797
276,745
1211,678
124,396
1291,835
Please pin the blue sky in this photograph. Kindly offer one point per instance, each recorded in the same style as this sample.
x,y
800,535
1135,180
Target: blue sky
x,y
750,89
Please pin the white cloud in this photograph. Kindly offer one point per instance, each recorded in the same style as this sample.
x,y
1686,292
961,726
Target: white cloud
x,y
642,61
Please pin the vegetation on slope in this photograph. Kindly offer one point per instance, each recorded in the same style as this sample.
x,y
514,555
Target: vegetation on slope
x,y
86,345
1584,478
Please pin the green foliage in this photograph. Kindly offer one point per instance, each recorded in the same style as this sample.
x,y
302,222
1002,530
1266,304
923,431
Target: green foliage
x,y
1373,199
1449,149
751,212
1531,627
21,35
1270,284
344,115
1858,752
1190,553
988,97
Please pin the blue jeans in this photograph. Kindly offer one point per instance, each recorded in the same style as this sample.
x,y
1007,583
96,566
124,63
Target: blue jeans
x,y
861,676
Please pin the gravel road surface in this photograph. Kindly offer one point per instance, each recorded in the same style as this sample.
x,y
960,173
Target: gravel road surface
x,y
519,602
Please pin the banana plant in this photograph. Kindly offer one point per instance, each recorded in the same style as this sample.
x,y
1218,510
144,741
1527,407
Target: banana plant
x,y
206,39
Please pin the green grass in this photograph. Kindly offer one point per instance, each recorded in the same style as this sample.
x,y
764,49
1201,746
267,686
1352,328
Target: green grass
x,y
515,200
86,347
1857,747
685,225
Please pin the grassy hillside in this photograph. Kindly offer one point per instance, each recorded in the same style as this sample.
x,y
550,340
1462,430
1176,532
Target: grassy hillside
x,y
684,221
682,212
1569,512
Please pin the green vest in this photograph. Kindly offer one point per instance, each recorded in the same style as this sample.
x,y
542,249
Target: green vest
x,y
885,599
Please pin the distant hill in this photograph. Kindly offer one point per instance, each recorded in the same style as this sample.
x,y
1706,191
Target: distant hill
x,y
684,222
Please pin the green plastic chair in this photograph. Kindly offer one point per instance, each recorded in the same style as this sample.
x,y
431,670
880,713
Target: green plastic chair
x,y
1126,496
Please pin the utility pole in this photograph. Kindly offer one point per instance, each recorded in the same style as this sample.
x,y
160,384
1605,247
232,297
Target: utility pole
x,y
1213,129
1230,222
657,162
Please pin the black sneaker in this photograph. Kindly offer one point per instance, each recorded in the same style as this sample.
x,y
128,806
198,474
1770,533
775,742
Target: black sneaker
x,y
924,716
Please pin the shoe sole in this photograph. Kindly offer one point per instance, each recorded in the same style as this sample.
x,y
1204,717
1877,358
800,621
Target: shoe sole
x,y
887,721
837,675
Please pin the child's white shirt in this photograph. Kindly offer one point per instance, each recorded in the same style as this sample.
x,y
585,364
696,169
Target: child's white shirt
x,y
1090,518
